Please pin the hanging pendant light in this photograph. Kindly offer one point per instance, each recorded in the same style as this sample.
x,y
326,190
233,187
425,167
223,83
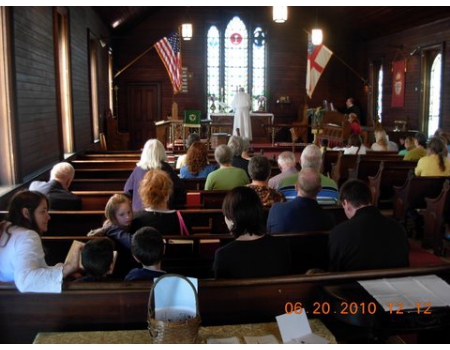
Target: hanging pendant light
x,y
186,31
317,36
280,14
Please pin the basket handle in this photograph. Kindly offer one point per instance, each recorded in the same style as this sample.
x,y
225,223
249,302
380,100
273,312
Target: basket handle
x,y
178,276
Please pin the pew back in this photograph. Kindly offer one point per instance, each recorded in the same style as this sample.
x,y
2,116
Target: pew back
x,y
121,306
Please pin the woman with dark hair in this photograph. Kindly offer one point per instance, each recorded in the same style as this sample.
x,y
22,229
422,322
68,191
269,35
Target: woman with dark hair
x,y
354,145
196,163
21,253
259,169
253,253
435,163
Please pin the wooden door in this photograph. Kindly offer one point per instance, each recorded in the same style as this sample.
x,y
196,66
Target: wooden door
x,y
144,108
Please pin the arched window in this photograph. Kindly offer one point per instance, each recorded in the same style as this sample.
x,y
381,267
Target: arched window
x,y
235,59
435,95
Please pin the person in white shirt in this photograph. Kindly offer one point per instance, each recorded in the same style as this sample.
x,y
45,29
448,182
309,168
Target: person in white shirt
x,y
242,105
354,145
21,253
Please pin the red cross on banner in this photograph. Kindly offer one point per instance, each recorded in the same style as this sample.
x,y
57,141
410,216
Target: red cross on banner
x,y
318,57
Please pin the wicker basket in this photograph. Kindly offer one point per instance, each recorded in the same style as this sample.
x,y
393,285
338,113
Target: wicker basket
x,y
173,332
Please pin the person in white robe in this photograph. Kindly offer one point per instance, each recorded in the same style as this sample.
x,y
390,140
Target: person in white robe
x,y
242,105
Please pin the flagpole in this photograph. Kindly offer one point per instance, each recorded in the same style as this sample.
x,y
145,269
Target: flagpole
x,y
132,62
344,63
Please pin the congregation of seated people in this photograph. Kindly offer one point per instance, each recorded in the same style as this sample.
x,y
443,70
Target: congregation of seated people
x,y
137,221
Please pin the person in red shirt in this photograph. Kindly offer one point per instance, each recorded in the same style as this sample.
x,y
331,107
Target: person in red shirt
x,y
355,127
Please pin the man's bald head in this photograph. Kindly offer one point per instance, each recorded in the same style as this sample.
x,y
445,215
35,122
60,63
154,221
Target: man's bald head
x,y
308,183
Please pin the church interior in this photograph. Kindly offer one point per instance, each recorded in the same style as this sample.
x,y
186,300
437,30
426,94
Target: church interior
x,y
88,85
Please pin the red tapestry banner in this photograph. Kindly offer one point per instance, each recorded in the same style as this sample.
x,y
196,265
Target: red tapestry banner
x,y
398,83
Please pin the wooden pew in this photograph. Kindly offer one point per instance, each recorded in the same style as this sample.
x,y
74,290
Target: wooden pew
x,y
328,158
76,223
99,173
389,174
130,155
194,184
367,166
116,164
436,217
108,184
411,195
341,169
94,200
123,305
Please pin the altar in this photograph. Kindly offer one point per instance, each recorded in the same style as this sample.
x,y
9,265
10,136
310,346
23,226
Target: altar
x,y
261,125
173,131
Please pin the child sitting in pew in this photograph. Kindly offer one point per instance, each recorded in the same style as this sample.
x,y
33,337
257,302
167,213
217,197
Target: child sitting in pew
x,y
118,220
147,247
97,258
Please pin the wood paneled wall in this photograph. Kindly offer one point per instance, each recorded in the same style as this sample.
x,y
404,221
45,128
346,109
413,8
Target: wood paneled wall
x,y
420,37
287,54
37,135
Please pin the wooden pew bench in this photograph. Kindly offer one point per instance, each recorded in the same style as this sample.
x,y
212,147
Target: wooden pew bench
x,y
99,173
104,164
436,217
107,184
411,195
123,305
366,167
76,223
345,162
94,200
130,155
389,174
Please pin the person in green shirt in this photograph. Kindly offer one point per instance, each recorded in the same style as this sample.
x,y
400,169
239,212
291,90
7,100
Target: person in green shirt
x,y
420,141
226,177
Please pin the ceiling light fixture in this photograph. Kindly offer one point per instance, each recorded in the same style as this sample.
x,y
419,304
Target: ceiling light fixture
x,y
280,14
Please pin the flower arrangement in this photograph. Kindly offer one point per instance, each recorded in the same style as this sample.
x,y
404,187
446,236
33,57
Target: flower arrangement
x,y
261,98
316,115
212,98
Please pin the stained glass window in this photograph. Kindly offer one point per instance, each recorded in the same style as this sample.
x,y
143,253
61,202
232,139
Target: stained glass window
x,y
235,58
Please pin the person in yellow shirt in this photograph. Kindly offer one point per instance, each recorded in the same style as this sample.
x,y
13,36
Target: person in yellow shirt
x,y
435,163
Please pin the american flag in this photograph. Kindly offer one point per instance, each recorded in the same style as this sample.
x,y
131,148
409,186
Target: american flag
x,y
318,57
168,49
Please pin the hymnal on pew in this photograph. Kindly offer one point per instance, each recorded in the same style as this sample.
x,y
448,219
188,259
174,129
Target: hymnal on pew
x,y
408,292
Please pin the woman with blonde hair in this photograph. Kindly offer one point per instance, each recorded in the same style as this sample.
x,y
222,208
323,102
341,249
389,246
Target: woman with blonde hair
x,y
435,163
381,141
119,216
154,156
196,163
155,191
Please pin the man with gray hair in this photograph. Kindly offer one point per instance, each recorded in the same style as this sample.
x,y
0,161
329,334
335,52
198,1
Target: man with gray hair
x,y
303,213
57,189
286,163
311,158
227,176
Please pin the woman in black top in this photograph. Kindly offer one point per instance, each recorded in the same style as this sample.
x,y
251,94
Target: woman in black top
x,y
253,253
